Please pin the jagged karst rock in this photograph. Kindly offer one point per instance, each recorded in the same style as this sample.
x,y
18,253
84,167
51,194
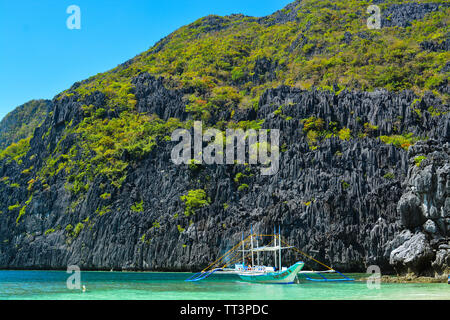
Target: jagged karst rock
x,y
427,192
442,262
435,46
287,14
414,255
154,98
347,225
402,15
430,227
410,211
339,198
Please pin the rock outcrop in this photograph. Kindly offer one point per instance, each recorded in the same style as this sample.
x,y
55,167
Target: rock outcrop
x,y
401,15
363,175
345,201
425,211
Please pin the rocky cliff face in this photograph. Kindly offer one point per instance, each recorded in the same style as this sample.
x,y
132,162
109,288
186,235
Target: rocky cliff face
x,y
363,173
349,202
424,212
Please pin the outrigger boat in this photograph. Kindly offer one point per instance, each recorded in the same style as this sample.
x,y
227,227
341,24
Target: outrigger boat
x,y
260,273
265,274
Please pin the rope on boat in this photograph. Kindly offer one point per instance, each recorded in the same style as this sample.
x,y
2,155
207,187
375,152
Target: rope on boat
x,y
208,271
239,257
202,275
229,251
206,274
308,256
233,256
324,279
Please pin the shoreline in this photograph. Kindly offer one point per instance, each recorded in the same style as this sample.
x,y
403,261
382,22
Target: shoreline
x,y
414,279
409,278
100,270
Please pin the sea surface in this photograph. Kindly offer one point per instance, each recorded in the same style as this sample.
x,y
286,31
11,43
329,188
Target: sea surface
x,y
52,285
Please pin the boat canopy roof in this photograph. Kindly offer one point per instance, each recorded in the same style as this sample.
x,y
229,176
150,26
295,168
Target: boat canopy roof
x,y
266,248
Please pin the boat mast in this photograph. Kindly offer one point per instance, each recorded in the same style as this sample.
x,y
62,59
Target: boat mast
x,y
279,243
257,252
243,252
251,230
275,251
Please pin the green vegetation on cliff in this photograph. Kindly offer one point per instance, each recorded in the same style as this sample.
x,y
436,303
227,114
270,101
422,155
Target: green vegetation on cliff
x,y
21,122
226,63
223,65
241,56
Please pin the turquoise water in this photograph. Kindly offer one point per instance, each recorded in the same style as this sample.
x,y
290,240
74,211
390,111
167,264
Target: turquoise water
x,y
171,286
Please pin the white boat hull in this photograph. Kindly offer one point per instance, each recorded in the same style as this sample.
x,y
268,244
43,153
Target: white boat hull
x,y
280,277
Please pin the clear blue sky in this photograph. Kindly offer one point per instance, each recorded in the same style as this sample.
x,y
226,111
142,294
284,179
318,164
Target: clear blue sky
x,y
40,56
